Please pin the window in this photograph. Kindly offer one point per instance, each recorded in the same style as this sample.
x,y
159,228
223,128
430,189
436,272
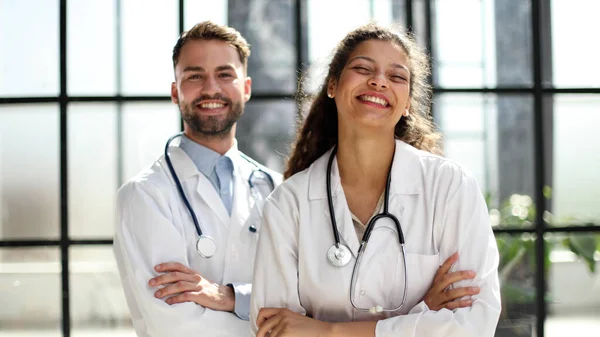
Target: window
x,y
84,105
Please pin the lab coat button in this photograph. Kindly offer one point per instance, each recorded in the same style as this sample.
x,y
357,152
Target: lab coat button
x,y
362,292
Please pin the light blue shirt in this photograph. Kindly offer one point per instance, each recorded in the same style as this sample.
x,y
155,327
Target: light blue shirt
x,y
219,170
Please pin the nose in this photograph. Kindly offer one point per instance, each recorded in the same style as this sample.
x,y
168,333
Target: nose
x,y
378,81
211,86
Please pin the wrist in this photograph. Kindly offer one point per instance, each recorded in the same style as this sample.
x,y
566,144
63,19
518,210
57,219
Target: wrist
x,y
334,329
229,297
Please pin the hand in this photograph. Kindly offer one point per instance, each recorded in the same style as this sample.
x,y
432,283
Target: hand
x,y
281,322
441,296
185,285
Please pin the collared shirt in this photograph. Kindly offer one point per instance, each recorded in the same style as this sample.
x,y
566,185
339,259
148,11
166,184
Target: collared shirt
x,y
217,168
359,227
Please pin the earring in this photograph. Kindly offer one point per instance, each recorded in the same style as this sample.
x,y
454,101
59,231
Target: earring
x,y
330,95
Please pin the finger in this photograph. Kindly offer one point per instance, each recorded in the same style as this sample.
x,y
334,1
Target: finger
x,y
173,266
279,330
173,277
176,288
181,298
454,277
453,294
266,313
458,304
268,325
445,267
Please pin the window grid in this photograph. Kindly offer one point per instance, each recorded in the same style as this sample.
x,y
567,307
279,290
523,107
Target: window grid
x,y
541,48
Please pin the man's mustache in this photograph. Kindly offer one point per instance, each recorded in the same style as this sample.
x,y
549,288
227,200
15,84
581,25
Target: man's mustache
x,y
215,97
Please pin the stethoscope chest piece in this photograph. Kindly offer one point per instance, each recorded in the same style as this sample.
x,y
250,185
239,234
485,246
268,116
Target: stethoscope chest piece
x,y
339,256
206,246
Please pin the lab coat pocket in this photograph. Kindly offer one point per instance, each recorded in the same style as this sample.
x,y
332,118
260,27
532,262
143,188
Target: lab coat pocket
x,y
420,271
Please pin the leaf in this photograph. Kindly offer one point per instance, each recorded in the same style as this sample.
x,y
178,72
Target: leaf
x,y
584,247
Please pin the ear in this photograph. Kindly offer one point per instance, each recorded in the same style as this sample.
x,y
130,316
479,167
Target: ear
x,y
331,88
247,89
407,109
174,93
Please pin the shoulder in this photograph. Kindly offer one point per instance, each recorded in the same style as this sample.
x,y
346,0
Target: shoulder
x,y
434,170
150,181
303,186
252,164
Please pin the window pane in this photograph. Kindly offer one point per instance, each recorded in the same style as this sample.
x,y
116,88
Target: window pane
x,y
490,45
574,54
29,171
147,45
490,136
576,183
29,63
146,129
574,291
30,289
323,36
98,306
517,285
269,27
202,10
91,47
266,131
93,167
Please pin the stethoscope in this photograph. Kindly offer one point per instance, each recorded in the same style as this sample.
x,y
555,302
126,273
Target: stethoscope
x,y
206,245
339,255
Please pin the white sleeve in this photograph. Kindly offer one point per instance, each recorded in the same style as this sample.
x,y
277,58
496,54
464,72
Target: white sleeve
x,y
275,282
466,230
144,237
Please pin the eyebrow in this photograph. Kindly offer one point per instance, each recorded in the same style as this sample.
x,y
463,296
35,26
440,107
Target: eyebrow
x,y
366,58
200,69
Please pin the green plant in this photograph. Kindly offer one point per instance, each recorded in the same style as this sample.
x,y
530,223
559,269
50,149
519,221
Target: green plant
x,y
517,251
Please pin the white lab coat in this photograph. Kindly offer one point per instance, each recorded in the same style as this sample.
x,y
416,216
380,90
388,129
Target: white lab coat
x,y
154,226
441,211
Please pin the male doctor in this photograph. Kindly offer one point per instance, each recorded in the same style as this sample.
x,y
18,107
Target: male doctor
x,y
171,289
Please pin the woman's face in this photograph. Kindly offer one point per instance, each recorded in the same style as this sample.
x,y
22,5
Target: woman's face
x,y
373,89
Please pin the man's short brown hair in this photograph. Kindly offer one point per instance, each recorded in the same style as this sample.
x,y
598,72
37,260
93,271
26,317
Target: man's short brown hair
x,y
208,30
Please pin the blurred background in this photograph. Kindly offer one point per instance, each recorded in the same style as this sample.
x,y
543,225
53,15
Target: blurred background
x,y
84,105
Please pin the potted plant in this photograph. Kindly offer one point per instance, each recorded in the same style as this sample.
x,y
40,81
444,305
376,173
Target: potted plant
x,y
518,262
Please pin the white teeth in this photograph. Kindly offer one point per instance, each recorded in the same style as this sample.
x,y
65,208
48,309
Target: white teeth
x,y
375,100
212,105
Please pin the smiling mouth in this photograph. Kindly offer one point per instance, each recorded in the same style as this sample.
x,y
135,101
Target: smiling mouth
x,y
373,99
211,105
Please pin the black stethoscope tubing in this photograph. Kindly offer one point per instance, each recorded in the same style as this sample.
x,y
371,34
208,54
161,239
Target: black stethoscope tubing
x,y
370,225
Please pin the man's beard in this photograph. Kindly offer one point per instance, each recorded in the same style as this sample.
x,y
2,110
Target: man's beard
x,y
211,125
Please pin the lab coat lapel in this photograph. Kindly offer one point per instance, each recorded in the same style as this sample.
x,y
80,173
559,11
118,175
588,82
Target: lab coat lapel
x,y
342,212
186,170
344,223
209,195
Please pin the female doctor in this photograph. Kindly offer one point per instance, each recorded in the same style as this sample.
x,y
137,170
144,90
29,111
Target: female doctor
x,y
352,241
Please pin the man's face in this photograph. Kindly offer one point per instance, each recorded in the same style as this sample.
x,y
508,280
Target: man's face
x,y
211,87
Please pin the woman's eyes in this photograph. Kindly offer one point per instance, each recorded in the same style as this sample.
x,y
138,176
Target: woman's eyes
x,y
362,69
365,71
399,78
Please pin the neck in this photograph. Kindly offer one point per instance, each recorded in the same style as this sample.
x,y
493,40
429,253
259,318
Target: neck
x,y
219,143
364,160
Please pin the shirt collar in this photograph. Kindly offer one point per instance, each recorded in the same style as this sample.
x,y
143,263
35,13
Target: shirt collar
x,y
204,158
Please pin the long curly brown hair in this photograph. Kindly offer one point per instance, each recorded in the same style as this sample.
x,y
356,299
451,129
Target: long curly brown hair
x,y
319,131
